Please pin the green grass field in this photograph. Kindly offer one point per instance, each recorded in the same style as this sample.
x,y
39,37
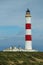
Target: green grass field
x,y
21,58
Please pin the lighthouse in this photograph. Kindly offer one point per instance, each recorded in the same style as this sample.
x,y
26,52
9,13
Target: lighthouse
x,y
28,34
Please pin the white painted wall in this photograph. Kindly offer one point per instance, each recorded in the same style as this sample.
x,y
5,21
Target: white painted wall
x,y
28,45
28,19
28,31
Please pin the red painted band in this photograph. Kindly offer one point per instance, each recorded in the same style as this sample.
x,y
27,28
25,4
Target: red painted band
x,y
28,37
28,26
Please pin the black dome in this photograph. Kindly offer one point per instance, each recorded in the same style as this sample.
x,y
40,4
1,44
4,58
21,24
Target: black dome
x,y
28,10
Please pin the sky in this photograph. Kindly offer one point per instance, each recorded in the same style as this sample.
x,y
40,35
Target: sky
x,y
12,22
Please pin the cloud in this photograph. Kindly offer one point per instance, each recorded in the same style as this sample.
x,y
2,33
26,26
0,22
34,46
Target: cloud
x,y
10,12
13,12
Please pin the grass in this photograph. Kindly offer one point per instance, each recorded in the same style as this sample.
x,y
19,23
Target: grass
x,y
21,58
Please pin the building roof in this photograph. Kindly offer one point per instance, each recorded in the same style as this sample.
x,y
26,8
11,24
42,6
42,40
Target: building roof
x,y
28,10
28,13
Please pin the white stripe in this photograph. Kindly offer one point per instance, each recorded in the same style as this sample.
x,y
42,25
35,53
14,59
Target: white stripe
x,y
28,19
28,31
28,44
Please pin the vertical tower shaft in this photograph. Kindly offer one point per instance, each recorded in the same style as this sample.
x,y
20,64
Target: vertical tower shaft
x,y
28,35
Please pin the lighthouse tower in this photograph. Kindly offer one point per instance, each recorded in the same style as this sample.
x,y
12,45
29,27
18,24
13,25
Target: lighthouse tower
x,y
28,35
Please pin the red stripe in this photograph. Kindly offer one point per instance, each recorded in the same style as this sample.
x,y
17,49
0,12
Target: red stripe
x,y
28,26
28,37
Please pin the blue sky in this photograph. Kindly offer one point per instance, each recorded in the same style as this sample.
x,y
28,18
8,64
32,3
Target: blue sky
x,y
12,21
